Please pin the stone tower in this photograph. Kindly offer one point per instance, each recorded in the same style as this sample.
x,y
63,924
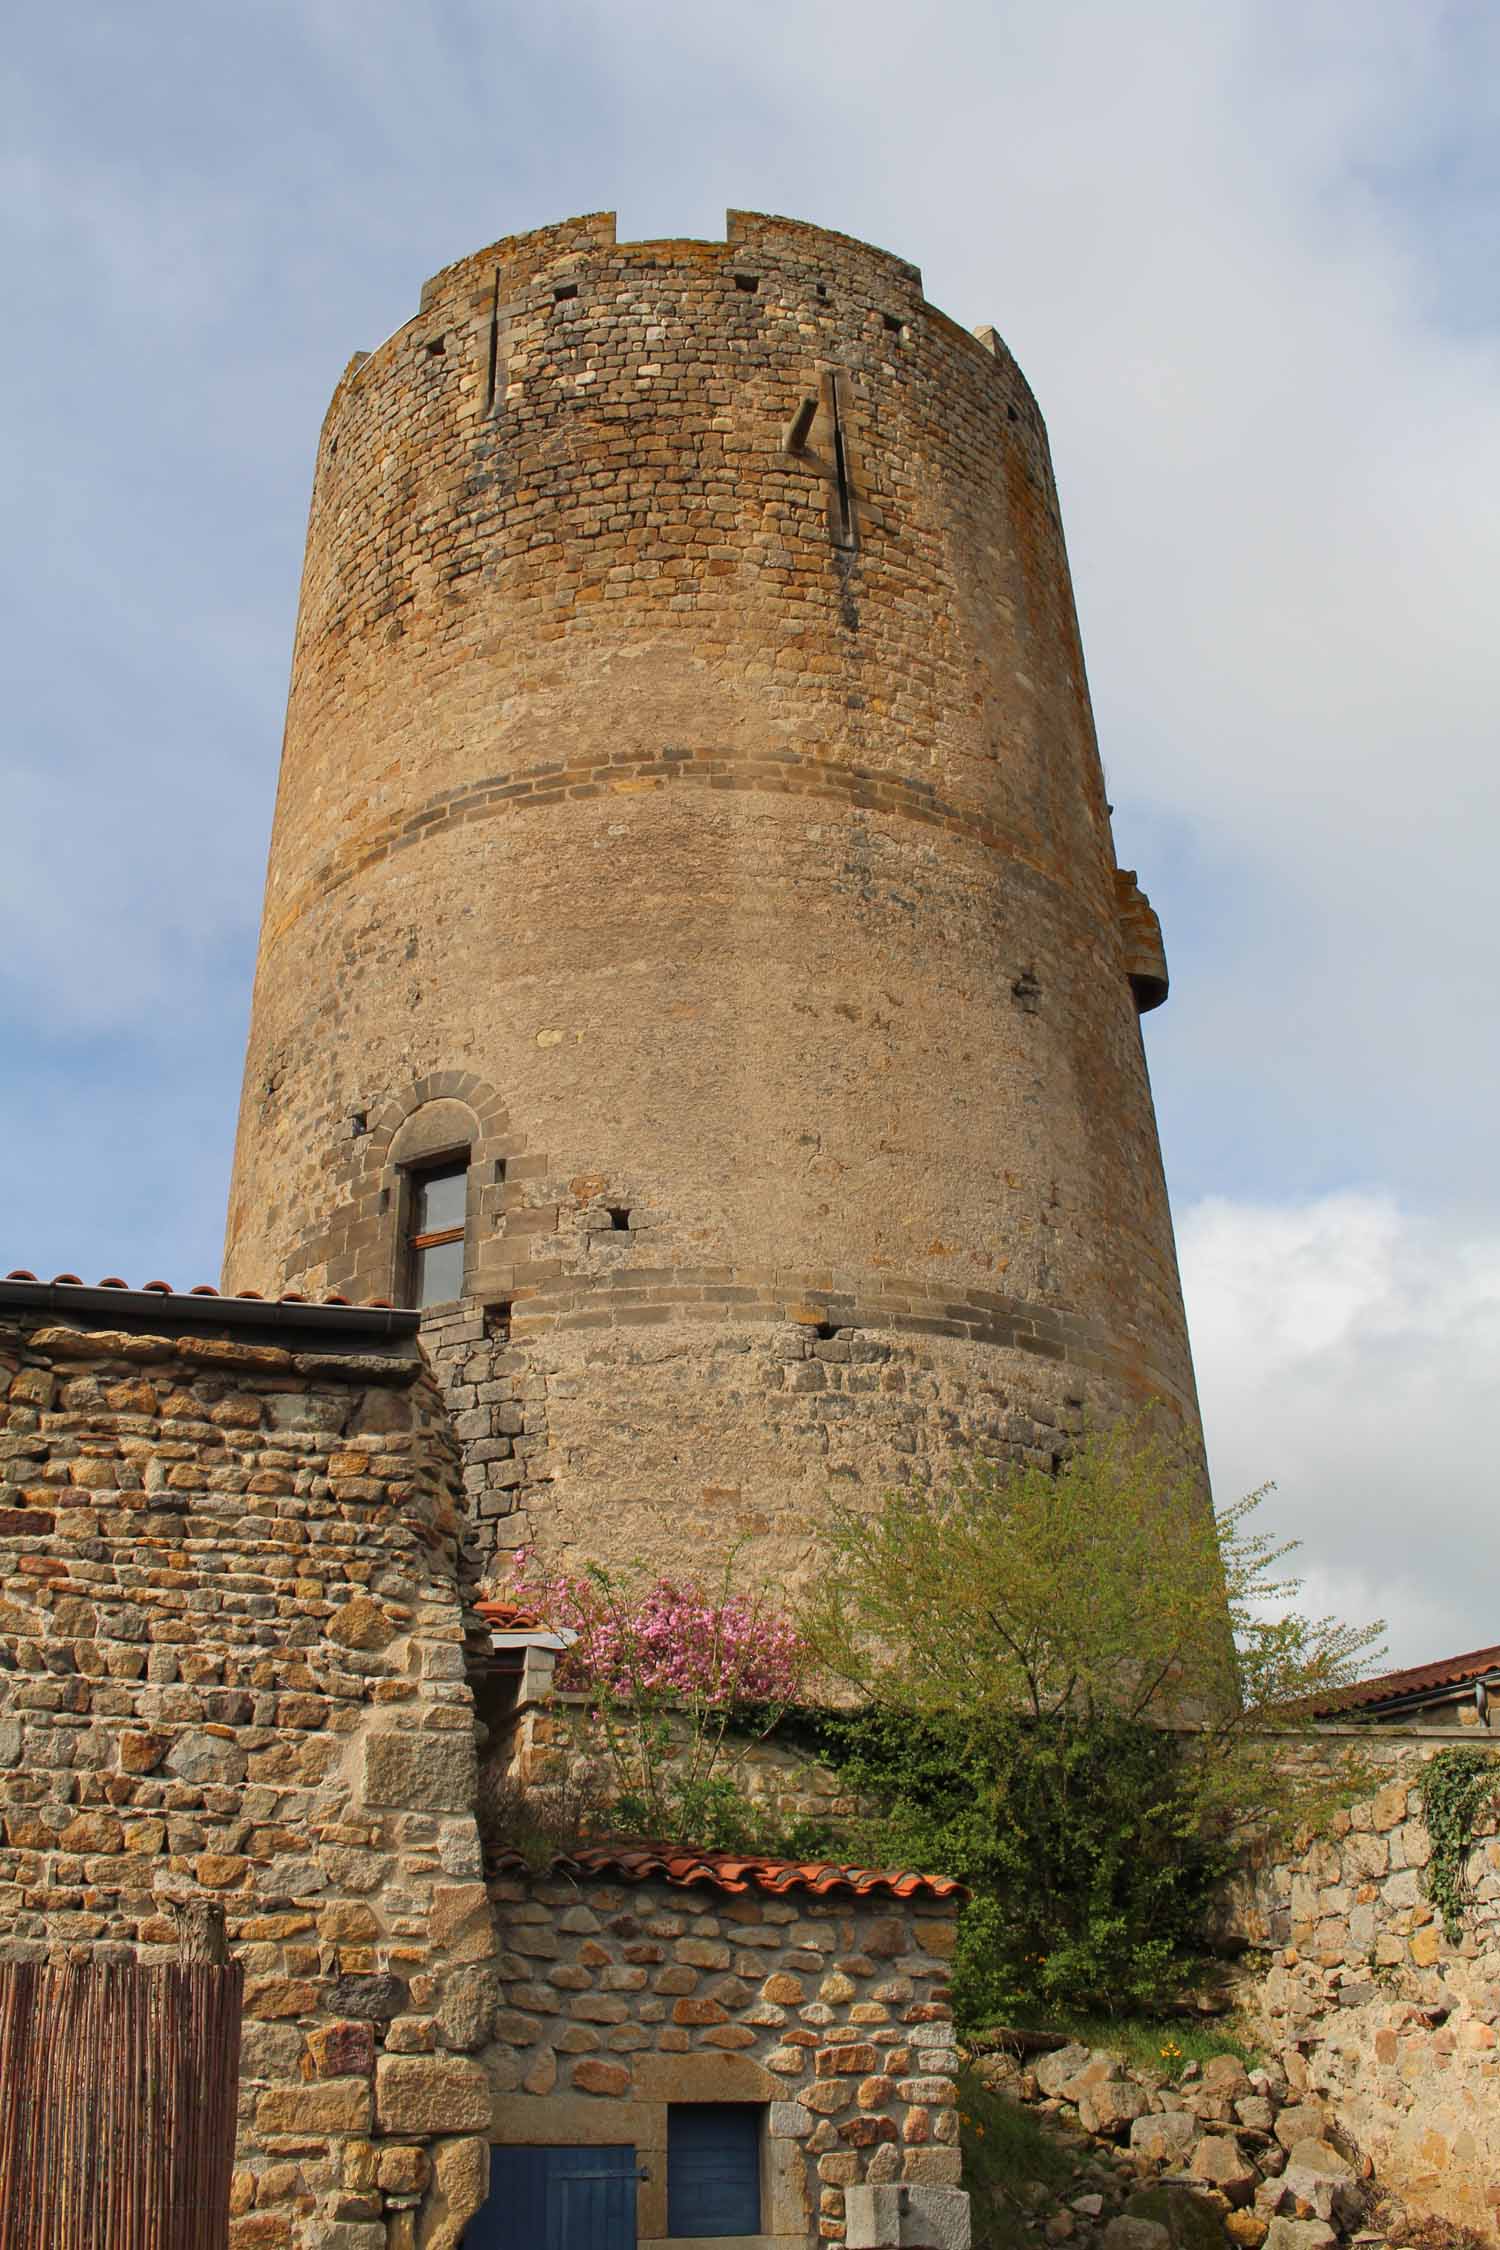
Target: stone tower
x,y
694,961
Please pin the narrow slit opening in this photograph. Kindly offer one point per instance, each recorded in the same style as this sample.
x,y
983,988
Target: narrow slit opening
x,y
844,530
619,1217
494,356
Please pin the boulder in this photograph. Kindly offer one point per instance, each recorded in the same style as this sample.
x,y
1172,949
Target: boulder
x,y
1125,2233
1111,2107
1304,2121
1053,2071
1190,2220
1299,2234
1221,2163
1247,2229
1323,2182
1166,2138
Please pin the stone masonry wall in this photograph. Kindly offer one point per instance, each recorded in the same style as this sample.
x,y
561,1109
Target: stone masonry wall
x,y
232,1666
701,826
1365,2001
621,1998
549,1742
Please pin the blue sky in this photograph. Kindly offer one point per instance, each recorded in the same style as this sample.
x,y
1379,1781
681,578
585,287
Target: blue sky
x,y
1246,256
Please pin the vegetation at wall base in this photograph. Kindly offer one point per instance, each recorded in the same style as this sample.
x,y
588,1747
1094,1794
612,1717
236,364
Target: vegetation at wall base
x,y
1072,1682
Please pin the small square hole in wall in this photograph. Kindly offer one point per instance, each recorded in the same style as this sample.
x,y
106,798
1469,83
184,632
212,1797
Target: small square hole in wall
x,y
359,1122
436,347
619,1217
749,282
894,325
823,291
823,1330
497,1319
499,1171
563,291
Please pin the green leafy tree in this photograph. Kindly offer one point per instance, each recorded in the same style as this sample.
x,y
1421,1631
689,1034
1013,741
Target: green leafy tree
x,y
1073,1689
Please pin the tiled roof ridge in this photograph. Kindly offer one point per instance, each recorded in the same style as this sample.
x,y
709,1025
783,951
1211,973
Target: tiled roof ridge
x,y
510,1617
1386,1687
737,1872
201,1289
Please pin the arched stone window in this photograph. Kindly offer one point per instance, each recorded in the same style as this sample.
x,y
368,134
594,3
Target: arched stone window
x,y
392,1189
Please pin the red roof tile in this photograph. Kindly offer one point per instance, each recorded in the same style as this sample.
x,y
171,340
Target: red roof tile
x,y
199,1289
732,1871
1417,1679
510,1617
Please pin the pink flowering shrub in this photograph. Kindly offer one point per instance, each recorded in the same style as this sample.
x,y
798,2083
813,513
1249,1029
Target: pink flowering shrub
x,y
667,1666
676,1642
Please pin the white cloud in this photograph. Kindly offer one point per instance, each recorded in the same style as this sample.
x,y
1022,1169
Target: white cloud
x,y
1350,1351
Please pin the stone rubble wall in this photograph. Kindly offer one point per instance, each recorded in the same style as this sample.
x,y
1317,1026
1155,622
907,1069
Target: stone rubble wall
x,y
232,1666
1368,2006
619,1999
551,1744
1221,2155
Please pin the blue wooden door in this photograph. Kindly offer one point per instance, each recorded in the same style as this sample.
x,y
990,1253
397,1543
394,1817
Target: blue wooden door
x,y
557,2199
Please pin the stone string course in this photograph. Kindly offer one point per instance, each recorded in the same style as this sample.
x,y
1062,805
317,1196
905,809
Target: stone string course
x,y
786,772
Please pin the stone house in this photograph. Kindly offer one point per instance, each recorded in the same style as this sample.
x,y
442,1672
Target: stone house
x,y
237,1660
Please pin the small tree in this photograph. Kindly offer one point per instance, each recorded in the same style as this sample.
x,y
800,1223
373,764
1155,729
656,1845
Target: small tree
x,y
1069,1688
670,1668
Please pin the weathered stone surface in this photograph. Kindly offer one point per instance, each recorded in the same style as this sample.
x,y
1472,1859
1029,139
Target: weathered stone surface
x,y
341,2105
1166,2138
377,1998
1299,2234
431,2094
1054,2071
196,1756
1111,2106
362,1624
418,1772
1321,2178
1221,2163
1303,2121
1124,2233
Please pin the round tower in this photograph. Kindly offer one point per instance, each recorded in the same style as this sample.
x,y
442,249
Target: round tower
x,y
694,962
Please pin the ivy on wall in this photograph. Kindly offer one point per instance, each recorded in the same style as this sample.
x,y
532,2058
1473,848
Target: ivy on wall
x,y
1457,1788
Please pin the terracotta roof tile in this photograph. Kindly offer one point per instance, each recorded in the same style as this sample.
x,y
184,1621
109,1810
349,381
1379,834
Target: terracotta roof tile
x,y
510,1617
199,1289
735,1872
1417,1679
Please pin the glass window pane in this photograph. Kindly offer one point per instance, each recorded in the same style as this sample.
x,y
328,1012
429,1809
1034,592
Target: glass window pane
x,y
440,1200
439,1273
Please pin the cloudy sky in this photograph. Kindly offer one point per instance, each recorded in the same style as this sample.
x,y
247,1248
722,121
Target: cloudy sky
x,y
1246,253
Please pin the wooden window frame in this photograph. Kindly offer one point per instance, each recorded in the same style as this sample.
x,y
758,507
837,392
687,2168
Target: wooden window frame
x,y
441,1163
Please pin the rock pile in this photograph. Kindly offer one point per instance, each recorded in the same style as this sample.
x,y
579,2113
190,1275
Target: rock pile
x,y
1224,2154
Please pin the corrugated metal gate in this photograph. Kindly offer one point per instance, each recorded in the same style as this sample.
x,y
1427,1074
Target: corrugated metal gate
x,y
558,2199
